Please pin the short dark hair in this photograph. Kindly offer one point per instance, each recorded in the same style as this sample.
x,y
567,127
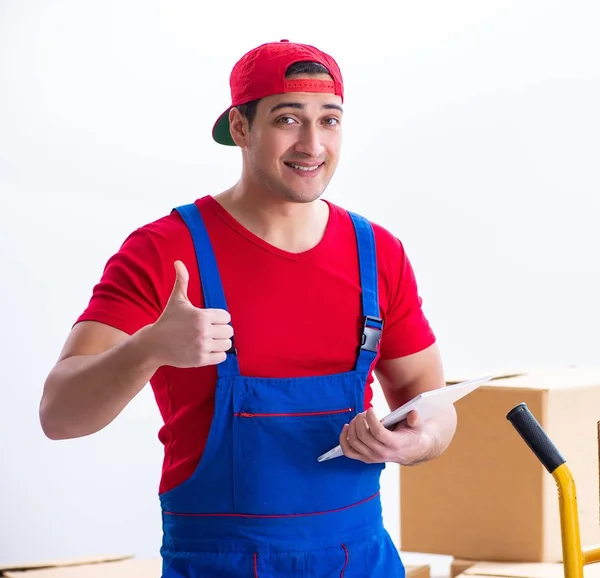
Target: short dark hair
x,y
309,68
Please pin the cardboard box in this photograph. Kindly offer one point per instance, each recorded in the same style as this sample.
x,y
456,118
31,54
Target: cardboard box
x,y
89,567
58,563
488,497
524,570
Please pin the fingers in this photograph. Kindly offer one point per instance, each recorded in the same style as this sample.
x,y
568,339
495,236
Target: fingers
x,y
358,440
218,316
365,436
347,449
215,358
379,433
220,345
221,331
190,336
221,335
354,447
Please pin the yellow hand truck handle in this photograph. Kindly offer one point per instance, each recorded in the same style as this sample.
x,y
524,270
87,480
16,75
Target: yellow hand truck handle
x,y
574,557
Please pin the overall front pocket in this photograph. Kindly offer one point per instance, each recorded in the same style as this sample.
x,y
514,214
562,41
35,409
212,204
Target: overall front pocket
x,y
275,463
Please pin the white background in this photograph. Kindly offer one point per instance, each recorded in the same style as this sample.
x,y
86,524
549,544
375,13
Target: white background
x,y
472,131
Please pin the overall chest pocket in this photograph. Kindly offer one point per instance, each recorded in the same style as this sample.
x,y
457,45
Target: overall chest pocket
x,y
278,435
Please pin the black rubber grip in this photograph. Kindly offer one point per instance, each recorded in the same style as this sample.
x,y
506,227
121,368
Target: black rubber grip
x,y
535,437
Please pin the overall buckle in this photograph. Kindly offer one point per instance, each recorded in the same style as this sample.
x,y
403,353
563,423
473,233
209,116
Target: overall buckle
x,y
371,336
232,350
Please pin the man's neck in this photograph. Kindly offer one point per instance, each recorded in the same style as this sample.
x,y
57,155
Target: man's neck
x,y
292,227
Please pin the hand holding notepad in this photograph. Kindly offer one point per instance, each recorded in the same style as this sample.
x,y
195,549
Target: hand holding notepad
x,y
425,404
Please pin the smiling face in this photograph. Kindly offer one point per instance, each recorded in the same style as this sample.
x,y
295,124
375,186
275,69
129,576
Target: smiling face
x,y
293,145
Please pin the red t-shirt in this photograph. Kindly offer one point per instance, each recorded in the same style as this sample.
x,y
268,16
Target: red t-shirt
x,y
292,314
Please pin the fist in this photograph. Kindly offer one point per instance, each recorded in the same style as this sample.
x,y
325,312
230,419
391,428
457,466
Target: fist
x,y
187,336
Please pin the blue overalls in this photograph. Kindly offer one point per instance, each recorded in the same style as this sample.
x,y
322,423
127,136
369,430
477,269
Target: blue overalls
x,y
259,505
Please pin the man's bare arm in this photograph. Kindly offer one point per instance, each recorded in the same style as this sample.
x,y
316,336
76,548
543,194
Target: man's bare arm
x,y
403,378
101,369
414,440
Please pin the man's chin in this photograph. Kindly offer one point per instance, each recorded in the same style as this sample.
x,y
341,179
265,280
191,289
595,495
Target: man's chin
x,y
303,194
296,196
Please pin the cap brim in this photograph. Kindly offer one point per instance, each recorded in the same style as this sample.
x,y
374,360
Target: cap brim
x,y
220,132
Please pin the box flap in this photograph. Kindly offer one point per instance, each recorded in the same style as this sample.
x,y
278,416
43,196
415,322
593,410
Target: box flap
x,y
542,378
468,375
64,562
129,568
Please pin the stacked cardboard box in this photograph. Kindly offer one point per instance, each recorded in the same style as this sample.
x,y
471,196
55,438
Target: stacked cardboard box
x,y
522,570
123,566
488,500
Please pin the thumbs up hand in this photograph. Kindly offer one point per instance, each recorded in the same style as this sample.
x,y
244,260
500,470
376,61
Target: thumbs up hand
x,y
187,336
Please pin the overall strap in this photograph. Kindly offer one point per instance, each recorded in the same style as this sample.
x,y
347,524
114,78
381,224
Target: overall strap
x,y
372,322
212,288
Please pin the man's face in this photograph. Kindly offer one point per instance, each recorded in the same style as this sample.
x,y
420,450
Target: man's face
x,y
294,144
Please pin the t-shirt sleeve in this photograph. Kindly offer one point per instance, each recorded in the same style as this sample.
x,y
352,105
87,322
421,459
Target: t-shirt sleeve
x,y
129,294
406,329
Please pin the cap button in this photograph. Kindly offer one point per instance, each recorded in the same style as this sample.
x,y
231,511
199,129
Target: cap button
x,y
284,40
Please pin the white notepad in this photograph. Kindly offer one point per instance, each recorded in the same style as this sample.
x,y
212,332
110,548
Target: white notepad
x,y
426,404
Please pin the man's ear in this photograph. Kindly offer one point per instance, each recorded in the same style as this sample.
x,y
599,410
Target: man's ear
x,y
238,127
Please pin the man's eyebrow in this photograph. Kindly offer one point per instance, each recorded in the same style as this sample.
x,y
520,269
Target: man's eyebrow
x,y
300,106
297,105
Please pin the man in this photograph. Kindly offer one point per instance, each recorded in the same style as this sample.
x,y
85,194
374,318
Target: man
x,y
259,316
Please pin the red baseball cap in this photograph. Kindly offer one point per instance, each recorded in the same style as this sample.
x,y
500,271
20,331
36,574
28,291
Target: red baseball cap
x,y
261,72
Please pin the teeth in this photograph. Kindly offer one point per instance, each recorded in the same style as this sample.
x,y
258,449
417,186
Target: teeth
x,y
307,169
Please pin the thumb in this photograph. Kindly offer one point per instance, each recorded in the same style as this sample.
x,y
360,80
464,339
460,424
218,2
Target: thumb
x,y
180,287
413,419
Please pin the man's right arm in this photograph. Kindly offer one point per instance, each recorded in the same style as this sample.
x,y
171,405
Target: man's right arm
x,y
101,369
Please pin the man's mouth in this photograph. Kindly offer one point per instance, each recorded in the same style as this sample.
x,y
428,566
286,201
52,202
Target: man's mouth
x,y
305,168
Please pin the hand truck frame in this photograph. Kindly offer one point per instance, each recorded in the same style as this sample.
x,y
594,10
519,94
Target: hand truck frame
x,y
574,556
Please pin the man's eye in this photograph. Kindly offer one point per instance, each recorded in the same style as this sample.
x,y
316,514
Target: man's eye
x,y
285,120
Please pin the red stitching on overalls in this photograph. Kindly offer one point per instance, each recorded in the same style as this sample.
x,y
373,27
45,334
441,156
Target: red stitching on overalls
x,y
255,564
346,563
298,414
235,515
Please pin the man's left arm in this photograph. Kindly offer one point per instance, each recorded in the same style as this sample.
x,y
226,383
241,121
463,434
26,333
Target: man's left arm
x,y
414,440
403,378
409,364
